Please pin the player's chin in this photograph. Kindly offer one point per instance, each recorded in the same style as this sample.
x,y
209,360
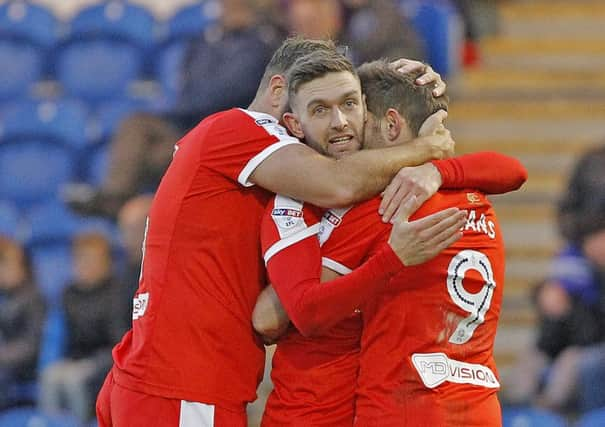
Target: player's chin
x,y
339,151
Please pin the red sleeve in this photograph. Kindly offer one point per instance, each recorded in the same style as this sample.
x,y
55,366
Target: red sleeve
x,y
314,307
489,172
241,141
360,235
285,223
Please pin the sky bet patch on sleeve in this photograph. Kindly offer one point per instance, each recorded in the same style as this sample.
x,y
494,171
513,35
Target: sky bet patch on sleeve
x,y
264,121
286,217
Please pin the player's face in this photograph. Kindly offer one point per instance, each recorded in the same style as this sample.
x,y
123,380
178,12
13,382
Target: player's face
x,y
374,134
329,113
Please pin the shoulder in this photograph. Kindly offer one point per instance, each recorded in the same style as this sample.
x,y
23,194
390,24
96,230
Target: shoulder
x,y
365,212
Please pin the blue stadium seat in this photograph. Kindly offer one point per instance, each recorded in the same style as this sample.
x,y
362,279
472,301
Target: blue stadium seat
x,y
98,70
192,20
117,20
105,50
595,418
54,338
97,165
185,25
50,223
38,148
53,268
52,226
26,21
30,417
9,220
530,417
33,170
27,31
168,70
440,27
108,116
22,65
63,122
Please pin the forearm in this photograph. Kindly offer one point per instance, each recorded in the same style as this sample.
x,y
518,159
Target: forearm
x,y
370,171
269,318
315,307
299,172
489,172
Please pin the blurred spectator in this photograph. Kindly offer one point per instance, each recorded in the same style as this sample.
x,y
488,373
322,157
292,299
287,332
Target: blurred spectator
x,y
21,319
94,324
567,367
132,220
221,70
371,29
480,19
376,29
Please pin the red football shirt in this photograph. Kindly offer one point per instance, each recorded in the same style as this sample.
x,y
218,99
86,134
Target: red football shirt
x,y
314,378
427,351
192,337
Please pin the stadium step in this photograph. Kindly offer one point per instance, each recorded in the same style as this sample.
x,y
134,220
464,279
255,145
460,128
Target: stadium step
x,y
522,84
539,96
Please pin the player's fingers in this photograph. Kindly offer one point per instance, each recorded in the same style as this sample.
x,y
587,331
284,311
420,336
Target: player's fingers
x,y
402,193
433,123
412,67
439,89
455,221
406,209
444,234
404,66
387,195
433,219
448,241
399,63
429,76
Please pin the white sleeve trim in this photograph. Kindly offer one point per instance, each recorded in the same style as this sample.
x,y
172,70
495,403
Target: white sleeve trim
x,y
255,161
289,241
335,266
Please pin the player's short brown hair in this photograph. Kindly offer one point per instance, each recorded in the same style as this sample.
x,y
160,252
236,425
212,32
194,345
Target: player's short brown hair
x,y
290,50
386,88
315,65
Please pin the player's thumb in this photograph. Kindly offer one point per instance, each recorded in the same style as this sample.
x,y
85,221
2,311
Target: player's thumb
x,y
433,123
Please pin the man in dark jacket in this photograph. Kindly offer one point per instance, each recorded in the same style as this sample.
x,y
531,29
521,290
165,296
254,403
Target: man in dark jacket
x,y
21,320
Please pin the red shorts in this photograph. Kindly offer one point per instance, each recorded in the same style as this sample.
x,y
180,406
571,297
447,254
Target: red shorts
x,y
120,407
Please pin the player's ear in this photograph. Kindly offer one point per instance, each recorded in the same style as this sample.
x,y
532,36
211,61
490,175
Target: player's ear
x,y
394,123
293,125
277,90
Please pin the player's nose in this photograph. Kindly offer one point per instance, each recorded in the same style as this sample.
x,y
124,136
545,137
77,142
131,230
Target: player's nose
x,y
339,119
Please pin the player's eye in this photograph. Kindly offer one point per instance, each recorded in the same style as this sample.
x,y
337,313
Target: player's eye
x,y
350,103
319,110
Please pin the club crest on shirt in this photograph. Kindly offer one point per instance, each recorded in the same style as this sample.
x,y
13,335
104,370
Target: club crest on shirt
x,y
473,198
286,217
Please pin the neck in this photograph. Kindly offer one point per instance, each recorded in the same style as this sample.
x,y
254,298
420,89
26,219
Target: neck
x,y
261,105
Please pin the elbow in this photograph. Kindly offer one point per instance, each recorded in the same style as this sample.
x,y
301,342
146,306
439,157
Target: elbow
x,y
308,326
261,325
521,177
341,196
308,330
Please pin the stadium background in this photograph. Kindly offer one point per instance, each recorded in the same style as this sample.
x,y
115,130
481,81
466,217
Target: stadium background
x,y
536,92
